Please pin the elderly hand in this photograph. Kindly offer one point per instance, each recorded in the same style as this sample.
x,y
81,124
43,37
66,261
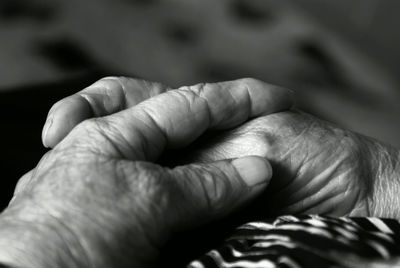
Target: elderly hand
x,y
318,167
98,200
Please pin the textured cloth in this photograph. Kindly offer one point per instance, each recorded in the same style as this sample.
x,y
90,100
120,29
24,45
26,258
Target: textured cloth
x,y
309,241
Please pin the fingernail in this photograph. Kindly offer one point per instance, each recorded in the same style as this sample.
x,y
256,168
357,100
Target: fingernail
x,y
253,170
46,128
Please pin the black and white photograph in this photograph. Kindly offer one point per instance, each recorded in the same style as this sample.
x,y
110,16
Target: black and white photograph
x,y
200,134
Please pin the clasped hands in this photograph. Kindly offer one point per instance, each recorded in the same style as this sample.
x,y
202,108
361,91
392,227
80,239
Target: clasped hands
x,y
100,198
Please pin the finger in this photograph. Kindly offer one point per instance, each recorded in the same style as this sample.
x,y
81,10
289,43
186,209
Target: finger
x,y
205,192
107,96
176,118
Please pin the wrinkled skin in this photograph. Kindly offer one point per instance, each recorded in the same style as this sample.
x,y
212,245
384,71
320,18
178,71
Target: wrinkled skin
x,y
98,199
319,168
107,194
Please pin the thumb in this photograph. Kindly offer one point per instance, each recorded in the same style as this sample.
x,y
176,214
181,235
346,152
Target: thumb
x,y
210,191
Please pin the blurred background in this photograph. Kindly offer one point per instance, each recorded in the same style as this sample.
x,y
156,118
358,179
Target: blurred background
x,y
339,56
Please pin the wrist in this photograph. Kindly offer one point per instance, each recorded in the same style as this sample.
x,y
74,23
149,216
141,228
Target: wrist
x,y
69,238
384,200
36,240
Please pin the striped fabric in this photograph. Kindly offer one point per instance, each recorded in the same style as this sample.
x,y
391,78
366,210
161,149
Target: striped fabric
x,y
309,241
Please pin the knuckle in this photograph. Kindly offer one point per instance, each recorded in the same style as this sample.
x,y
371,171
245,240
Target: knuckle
x,y
197,94
109,83
187,98
253,83
351,144
114,79
89,126
105,126
22,183
89,133
101,128
113,84
104,135
249,81
197,89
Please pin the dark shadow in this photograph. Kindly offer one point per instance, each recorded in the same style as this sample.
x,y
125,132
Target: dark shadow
x,y
181,33
24,110
66,54
142,2
249,12
22,9
326,73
